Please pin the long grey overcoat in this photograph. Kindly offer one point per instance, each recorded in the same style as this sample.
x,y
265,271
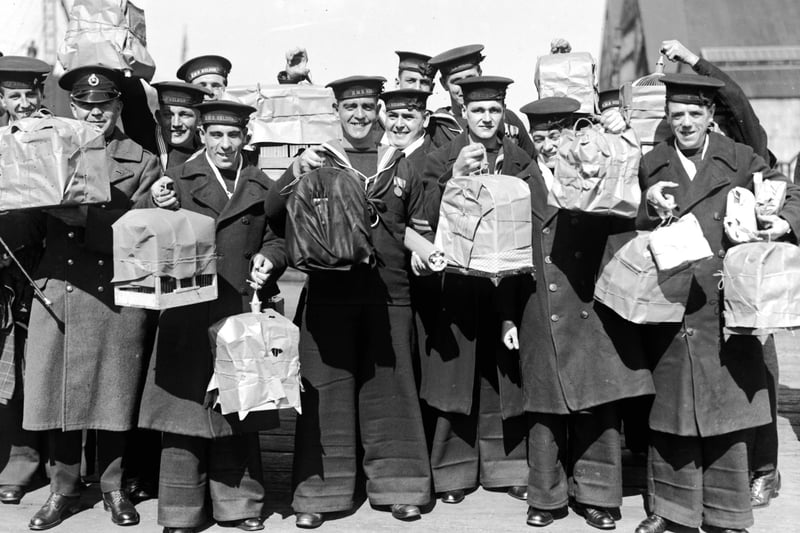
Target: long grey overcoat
x,y
85,355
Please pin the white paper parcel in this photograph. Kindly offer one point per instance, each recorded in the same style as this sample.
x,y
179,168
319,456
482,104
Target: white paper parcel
x,y
257,363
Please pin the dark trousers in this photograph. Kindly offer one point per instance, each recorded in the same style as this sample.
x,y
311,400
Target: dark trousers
x,y
228,469
65,460
479,448
19,449
700,480
358,380
764,444
585,443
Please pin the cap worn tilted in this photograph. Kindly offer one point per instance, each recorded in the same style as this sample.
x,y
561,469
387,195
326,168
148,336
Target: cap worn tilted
x,y
554,112
22,72
457,59
691,88
180,93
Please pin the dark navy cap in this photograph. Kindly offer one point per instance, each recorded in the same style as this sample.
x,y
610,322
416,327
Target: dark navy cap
x,y
609,98
22,72
202,65
180,93
92,84
479,88
357,87
225,112
457,59
691,88
551,113
415,62
406,99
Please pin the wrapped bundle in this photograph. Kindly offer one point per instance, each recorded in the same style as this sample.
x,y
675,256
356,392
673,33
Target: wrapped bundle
x,y
630,284
570,75
164,259
679,243
485,225
256,364
597,172
761,283
108,32
48,161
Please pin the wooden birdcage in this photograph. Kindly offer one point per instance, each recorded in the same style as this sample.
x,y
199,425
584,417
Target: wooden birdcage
x,y
168,292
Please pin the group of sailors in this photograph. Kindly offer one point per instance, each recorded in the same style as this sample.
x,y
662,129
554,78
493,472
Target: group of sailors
x,y
425,382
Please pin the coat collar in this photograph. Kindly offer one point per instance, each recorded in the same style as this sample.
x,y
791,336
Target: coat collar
x,y
123,148
532,175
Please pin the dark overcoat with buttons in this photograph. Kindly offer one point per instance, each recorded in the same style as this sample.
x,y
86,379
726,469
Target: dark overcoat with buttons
x,y
575,353
84,354
183,362
468,321
707,384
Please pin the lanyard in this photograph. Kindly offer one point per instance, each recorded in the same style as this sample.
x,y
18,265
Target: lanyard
x,y
219,176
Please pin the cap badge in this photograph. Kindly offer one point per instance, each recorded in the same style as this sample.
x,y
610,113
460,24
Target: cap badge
x,y
93,80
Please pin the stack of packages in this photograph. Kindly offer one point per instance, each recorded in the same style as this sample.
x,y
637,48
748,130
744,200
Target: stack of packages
x,y
164,259
761,280
47,161
485,226
288,118
257,363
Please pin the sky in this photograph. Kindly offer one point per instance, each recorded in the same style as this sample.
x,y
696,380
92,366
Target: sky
x,y
347,37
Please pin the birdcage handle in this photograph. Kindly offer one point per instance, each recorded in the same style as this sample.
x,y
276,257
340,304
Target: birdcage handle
x,y
660,64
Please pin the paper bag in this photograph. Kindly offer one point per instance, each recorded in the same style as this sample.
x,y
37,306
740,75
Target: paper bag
x,y
761,287
679,244
597,172
256,364
630,284
740,216
47,161
485,223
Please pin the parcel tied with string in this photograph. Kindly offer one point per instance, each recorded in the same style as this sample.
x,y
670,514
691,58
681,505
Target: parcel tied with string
x,y
485,225
164,259
761,288
48,161
256,363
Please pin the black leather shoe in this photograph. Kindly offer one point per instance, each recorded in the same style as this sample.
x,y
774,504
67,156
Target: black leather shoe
x,y
595,516
178,530
652,524
763,488
538,517
123,513
519,493
54,511
403,511
308,520
139,490
453,496
11,494
255,523
715,529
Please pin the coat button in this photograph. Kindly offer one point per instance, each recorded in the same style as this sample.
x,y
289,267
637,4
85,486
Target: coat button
x,y
100,262
102,206
721,254
552,287
554,318
71,234
100,288
578,254
546,231
70,262
548,260
69,288
248,255
690,331
584,314
245,221
717,216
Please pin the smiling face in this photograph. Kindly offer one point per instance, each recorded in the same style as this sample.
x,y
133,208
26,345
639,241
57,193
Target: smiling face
x,y
215,83
104,115
357,115
20,103
404,126
179,124
484,117
689,123
545,142
223,144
